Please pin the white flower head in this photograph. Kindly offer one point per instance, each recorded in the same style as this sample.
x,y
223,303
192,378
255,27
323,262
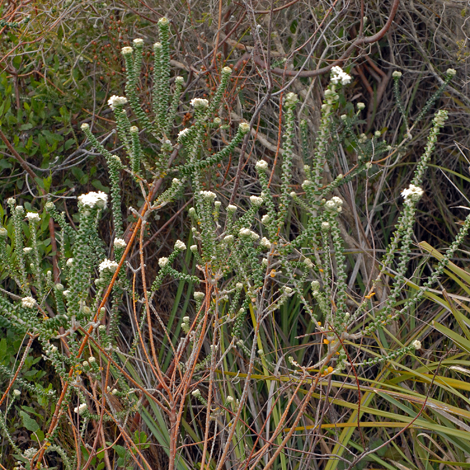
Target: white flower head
x,y
183,133
244,127
231,208
16,392
84,126
261,165
256,201
451,72
325,225
157,45
69,262
396,74
254,236
291,99
138,42
226,71
199,295
179,245
360,106
126,50
334,205
265,243
416,344
179,80
265,219
163,21
308,262
33,217
412,194
134,130
162,262
80,409
29,453
28,302
315,286
339,76
199,103
92,199
119,243
108,266
116,101
208,195
27,250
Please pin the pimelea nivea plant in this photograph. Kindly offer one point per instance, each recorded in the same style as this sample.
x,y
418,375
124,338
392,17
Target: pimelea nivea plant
x,y
247,269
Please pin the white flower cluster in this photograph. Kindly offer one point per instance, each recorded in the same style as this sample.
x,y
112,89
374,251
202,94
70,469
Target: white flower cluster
x,y
80,409
396,74
182,134
416,344
412,194
208,195
119,243
179,245
199,103
265,243
115,101
256,201
199,295
126,50
162,262
33,217
335,204
30,453
291,99
338,75
440,118
138,42
244,127
28,302
315,286
92,199
246,232
108,266
261,165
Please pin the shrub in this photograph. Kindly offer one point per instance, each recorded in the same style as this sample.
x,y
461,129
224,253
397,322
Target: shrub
x,y
193,384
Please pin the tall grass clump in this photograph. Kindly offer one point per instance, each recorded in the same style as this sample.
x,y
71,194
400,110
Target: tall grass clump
x,y
263,359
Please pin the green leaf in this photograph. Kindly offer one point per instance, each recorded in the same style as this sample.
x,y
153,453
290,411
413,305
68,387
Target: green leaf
x,y
29,423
